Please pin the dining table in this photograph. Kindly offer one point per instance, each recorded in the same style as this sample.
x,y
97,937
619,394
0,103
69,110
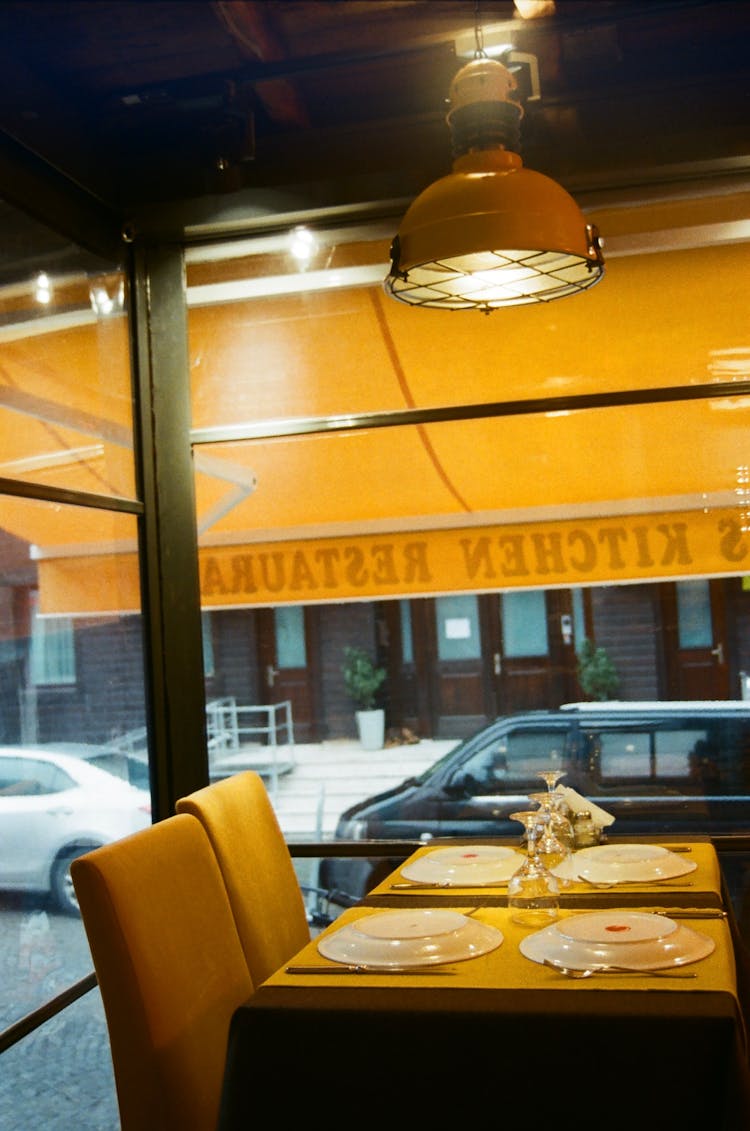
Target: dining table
x,y
500,1035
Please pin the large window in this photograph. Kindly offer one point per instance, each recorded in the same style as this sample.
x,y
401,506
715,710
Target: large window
x,y
471,553
73,758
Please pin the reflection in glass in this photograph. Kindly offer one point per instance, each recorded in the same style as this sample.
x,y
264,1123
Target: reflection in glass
x,y
73,757
694,614
524,616
458,627
289,627
67,417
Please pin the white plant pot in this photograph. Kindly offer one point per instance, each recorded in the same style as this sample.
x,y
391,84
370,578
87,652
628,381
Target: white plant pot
x,y
371,727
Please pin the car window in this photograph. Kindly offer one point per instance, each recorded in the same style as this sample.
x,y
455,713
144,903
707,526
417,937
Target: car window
x,y
27,777
514,757
697,755
123,766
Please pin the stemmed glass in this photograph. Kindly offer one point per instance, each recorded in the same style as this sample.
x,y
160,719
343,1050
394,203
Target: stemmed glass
x,y
533,892
550,777
555,842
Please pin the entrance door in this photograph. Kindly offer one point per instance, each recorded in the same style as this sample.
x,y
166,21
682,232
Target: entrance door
x,y
695,637
492,654
287,642
460,699
533,649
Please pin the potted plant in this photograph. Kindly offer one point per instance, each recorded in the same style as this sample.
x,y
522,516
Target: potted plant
x,y
363,680
596,672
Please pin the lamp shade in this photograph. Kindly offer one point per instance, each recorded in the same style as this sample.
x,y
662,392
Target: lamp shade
x,y
492,234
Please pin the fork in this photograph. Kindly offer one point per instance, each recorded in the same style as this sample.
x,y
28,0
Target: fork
x,y
589,971
635,883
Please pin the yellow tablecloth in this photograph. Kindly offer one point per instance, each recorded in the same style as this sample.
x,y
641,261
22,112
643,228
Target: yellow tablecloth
x,y
502,1035
498,1037
507,968
701,887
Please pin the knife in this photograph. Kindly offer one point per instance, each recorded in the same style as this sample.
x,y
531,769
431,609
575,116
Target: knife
x,y
342,969
408,885
694,913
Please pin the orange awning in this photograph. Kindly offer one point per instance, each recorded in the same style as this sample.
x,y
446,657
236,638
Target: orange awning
x,y
540,498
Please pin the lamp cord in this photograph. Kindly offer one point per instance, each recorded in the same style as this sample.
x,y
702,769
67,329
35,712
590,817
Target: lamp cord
x,y
479,52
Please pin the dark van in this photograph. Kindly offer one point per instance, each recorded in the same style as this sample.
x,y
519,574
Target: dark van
x,y
661,767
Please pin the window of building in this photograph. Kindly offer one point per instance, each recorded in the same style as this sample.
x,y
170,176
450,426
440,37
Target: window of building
x,y
52,655
524,617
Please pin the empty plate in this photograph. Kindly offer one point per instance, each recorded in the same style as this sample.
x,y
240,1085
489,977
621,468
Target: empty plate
x,y
620,863
616,928
663,945
416,937
467,866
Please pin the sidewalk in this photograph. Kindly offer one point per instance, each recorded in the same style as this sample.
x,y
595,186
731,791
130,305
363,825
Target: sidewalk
x,y
327,777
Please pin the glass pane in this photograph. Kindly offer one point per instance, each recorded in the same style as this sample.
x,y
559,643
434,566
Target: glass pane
x,y
73,758
66,417
624,755
694,614
443,518
289,623
579,620
281,521
209,668
407,640
36,1086
52,653
458,628
254,307
524,617
509,763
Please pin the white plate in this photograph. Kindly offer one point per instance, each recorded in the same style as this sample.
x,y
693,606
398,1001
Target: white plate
x,y
467,866
416,937
405,925
678,948
616,928
619,863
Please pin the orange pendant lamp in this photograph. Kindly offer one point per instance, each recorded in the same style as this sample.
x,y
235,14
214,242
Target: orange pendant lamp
x,y
491,234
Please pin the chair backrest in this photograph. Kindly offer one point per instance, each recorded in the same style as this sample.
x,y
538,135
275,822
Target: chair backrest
x,y
257,866
170,969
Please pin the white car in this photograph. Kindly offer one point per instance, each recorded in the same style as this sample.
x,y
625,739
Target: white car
x,y
55,806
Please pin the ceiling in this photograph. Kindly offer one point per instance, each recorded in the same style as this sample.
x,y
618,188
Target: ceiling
x,y
160,101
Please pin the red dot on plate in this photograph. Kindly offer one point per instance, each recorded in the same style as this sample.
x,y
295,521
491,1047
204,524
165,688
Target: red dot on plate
x,y
617,927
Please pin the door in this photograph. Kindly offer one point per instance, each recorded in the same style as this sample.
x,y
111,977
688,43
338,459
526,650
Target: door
x,y
459,680
533,657
287,647
694,619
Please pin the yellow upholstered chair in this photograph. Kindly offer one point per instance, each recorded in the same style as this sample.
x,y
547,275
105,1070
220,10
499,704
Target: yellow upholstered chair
x,y
255,861
170,968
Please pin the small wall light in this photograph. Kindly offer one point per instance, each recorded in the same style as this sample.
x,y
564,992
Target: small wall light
x,y
491,234
43,288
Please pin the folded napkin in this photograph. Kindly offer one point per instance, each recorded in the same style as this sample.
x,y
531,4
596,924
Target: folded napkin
x,y
576,803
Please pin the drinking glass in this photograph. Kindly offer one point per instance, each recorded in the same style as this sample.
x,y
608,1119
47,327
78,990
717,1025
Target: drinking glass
x,y
556,838
559,821
533,892
550,777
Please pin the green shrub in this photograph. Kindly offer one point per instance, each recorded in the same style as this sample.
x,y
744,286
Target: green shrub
x,y
362,678
596,672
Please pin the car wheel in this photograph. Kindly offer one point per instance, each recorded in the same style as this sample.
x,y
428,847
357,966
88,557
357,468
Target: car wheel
x,y
63,891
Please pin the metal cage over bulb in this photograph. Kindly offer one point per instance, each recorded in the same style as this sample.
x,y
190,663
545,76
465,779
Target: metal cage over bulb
x,y
491,234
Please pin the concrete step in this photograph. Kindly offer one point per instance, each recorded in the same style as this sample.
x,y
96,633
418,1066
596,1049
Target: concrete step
x,y
329,777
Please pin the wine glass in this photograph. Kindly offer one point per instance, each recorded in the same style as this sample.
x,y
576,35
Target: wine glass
x,y
559,822
533,892
550,777
555,841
